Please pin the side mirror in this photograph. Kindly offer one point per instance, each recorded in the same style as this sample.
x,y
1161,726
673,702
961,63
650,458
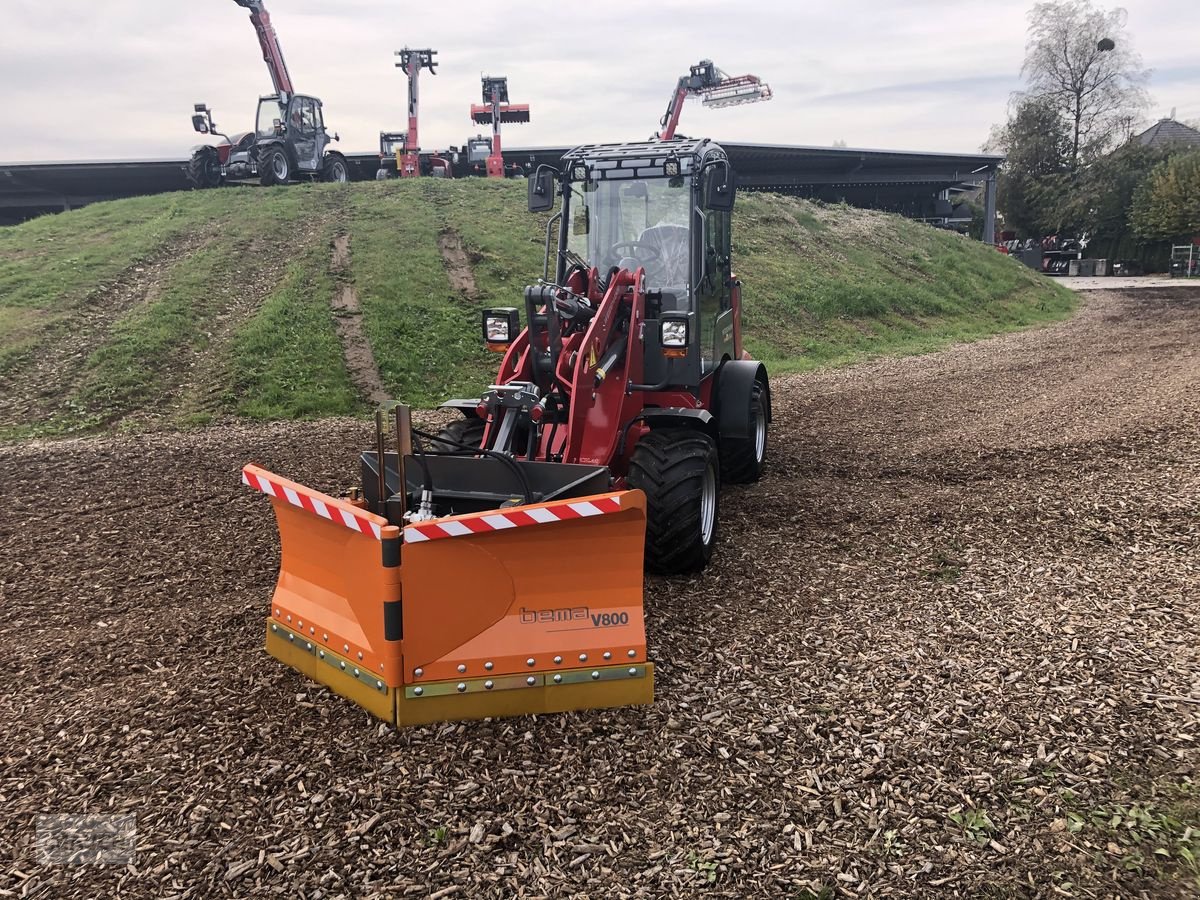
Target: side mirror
x,y
199,123
541,190
719,187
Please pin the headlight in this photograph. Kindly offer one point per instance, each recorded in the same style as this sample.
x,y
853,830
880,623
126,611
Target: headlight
x,y
500,326
497,330
675,333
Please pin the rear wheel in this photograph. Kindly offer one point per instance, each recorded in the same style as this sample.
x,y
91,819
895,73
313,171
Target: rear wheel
x,y
204,168
464,431
274,167
334,169
742,455
679,472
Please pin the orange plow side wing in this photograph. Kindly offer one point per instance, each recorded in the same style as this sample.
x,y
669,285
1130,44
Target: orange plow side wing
x,y
529,609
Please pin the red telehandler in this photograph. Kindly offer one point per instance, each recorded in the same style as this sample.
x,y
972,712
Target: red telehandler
x,y
494,110
480,155
717,90
406,145
495,568
289,141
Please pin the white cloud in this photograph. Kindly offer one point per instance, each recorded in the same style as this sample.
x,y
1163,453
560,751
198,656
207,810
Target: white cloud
x,y
81,80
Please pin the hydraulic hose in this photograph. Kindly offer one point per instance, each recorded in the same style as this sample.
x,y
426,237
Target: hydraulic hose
x,y
512,464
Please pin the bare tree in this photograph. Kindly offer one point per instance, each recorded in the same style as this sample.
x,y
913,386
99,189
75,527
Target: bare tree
x,y
1080,59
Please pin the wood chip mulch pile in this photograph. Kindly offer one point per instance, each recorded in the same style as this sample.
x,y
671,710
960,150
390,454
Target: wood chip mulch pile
x,y
950,646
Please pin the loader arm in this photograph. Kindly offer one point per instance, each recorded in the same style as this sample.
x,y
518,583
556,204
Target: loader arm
x,y
585,370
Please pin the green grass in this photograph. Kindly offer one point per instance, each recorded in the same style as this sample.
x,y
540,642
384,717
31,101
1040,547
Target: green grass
x,y
288,360
239,321
1155,836
831,285
424,336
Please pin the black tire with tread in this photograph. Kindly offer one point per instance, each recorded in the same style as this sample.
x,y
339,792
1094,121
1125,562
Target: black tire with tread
x,y
329,168
669,465
204,168
266,168
464,431
740,463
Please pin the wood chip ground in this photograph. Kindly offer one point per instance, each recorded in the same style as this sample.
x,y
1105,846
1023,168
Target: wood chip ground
x,y
956,621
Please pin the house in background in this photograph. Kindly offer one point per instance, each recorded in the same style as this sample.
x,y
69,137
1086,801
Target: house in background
x,y
1169,133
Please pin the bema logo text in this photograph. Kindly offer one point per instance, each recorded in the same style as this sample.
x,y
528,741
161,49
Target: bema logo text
x,y
573,614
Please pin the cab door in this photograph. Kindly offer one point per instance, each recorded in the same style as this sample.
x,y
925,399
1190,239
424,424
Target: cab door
x,y
302,122
713,293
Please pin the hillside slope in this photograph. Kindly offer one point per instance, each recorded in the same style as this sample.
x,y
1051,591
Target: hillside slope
x,y
312,301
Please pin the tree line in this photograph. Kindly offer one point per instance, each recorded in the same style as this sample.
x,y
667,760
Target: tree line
x,y
1073,167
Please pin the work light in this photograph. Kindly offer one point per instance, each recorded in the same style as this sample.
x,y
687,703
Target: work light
x,y
674,333
579,173
671,168
500,327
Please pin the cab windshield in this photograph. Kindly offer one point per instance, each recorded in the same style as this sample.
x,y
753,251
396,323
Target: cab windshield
x,y
633,223
269,111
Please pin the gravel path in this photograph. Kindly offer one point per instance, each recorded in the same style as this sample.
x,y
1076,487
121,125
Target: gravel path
x,y
950,646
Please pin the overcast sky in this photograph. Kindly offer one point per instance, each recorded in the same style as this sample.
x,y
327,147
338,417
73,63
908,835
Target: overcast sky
x,y
117,79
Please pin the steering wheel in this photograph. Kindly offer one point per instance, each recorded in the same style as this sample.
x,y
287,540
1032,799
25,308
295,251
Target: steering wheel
x,y
646,253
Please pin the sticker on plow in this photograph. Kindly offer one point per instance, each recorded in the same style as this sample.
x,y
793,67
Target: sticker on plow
x,y
502,520
313,501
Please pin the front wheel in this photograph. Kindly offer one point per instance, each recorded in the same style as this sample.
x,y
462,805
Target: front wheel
x,y
274,167
204,168
463,431
679,471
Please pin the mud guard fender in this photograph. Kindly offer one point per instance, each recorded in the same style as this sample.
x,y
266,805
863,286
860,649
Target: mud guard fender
x,y
469,408
735,381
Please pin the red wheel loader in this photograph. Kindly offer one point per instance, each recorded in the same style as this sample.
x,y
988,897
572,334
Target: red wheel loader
x,y
496,568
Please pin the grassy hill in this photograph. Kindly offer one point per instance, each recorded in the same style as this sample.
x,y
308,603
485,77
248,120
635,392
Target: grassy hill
x,y
178,308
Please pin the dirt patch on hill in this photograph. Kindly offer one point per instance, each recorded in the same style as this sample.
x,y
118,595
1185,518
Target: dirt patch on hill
x,y
458,264
347,318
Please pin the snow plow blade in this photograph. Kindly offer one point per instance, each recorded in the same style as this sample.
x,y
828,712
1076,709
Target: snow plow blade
x,y
522,610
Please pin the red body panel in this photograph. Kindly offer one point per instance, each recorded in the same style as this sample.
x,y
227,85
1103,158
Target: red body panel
x,y
598,413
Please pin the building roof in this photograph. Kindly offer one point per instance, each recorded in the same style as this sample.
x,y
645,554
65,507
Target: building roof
x,y
902,181
1166,132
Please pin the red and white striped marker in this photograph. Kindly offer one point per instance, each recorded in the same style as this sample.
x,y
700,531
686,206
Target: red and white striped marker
x,y
501,520
314,501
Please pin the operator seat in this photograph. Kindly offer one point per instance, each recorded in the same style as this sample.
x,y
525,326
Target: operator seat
x,y
668,273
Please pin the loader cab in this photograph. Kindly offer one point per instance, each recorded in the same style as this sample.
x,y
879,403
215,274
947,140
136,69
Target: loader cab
x,y
665,208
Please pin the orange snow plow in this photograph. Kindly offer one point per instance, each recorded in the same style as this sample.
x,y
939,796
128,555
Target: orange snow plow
x,y
523,609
